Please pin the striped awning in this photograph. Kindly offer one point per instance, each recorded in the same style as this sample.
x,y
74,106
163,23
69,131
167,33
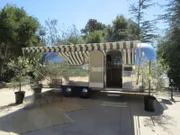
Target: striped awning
x,y
79,54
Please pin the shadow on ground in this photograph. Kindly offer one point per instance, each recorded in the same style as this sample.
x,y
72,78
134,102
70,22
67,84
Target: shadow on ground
x,y
97,119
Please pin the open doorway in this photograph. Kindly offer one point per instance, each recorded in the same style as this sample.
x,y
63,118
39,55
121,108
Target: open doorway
x,y
114,69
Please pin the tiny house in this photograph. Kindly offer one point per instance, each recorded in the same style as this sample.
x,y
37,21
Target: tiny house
x,y
111,65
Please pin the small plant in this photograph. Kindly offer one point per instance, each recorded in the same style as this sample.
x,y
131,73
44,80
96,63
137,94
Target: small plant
x,y
38,73
151,74
20,66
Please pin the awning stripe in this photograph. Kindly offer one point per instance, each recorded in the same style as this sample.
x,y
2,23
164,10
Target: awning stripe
x,y
81,58
78,54
69,59
84,47
73,59
78,58
86,53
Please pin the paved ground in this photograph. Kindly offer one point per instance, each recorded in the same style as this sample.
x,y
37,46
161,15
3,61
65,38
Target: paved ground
x,y
99,120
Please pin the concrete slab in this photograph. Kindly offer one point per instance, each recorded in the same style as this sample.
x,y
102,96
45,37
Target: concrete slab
x,y
95,119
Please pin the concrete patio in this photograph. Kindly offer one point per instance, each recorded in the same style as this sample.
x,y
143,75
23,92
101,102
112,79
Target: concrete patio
x,y
96,119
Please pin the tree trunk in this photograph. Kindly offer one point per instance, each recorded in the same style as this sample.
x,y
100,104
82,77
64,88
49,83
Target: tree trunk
x,y
20,86
1,68
3,59
149,77
171,94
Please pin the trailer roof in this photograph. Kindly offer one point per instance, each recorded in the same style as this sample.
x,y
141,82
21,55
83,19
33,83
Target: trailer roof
x,y
78,54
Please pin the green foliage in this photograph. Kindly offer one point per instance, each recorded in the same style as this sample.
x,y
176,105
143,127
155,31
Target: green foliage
x,y
172,15
152,72
93,25
94,37
169,51
7,75
146,31
38,70
93,31
20,66
17,30
121,29
132,30
169,45
42,33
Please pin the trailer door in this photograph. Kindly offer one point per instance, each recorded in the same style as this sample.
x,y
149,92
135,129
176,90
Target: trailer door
x,y
96,69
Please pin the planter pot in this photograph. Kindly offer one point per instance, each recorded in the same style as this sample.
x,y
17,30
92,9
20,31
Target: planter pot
x,y
37,90
149,103
142,88
36,86
40,85
51,85
19,96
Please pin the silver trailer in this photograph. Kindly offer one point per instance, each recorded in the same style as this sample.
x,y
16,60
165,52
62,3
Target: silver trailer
x,y
111,66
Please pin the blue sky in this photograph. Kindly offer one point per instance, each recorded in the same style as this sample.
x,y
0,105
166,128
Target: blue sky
x,y
78,12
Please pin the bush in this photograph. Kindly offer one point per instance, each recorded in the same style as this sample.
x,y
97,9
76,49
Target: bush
x,y
7,75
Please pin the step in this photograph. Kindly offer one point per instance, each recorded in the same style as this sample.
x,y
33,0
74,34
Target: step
x,y
113,95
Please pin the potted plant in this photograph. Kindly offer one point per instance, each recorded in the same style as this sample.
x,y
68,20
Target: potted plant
x,y
37,74
20,66
152,79
36,84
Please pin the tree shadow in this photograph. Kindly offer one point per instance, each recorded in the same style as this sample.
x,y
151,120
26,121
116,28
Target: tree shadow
x,y
7,112
155,119
166,101
138,114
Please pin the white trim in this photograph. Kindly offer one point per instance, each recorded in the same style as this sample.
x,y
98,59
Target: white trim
x,y
113,95
113,89
97,69
96,84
